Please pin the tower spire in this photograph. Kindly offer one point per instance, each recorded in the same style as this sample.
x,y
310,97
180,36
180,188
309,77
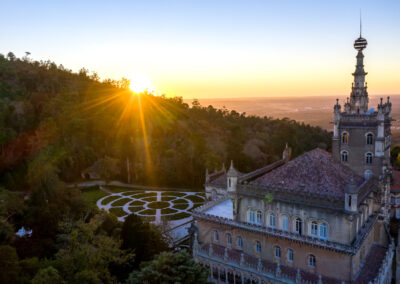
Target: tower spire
x,y
360,23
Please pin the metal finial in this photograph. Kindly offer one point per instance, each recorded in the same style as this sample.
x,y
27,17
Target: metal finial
x,y
360,24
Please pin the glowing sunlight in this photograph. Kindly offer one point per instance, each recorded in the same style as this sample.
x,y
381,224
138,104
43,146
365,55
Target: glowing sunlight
x,y
140,83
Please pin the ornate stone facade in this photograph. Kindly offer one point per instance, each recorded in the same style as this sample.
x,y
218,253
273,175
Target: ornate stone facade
x,y
319,218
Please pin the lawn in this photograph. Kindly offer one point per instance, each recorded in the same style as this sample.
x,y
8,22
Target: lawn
x,y
92,194
117,211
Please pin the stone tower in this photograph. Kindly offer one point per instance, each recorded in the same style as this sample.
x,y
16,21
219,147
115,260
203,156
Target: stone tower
x,y
361,136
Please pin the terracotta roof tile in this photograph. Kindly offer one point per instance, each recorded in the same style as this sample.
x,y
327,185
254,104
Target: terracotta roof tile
x,y
314,171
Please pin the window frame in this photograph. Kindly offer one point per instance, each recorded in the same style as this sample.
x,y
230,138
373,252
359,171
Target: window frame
x,y
369,138
258,247
344,156
290,255
298,226
285,223
259,217
216,236
345,138
323,230
229,239
368,158
272,220
312,261
314,229
277,252
239,242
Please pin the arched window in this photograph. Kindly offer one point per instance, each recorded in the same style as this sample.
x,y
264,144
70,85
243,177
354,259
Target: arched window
x,y
285,223
272,220
216,237
258,246
277,252
345,138
370,139
314,229
252,217
239,242
290,255
297,227
311,260
259,217
368,158
349,201
229,181
323,230
345,156
367,174
229,239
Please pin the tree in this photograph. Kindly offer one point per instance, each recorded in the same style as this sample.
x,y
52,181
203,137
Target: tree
x,y
9,267
88,252
168,267
142,238
48,275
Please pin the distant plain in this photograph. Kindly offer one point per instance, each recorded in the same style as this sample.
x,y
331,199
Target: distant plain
x,y
316,111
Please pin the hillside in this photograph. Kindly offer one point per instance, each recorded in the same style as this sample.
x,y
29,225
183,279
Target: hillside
x,y
57,123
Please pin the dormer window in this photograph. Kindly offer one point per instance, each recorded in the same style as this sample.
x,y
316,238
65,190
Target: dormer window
x,y
345,138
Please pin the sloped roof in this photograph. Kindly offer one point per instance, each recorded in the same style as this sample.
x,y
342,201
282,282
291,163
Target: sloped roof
x,y
220,178
314,171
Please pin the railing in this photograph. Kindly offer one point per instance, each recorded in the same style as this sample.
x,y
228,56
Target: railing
x,y
278,233
217,256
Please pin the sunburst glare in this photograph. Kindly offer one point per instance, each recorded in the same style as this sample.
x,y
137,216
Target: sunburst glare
x,y
140,83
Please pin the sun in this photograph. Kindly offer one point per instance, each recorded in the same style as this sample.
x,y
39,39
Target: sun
x,y
140,83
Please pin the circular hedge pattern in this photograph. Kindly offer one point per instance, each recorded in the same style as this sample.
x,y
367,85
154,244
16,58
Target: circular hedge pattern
x,y
152,205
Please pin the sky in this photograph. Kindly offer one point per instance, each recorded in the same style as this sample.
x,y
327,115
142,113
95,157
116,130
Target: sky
x,y
213,49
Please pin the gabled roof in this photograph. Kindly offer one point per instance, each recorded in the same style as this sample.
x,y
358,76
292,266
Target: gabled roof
x,y
314,171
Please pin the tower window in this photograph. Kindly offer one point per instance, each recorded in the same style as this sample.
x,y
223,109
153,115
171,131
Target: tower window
x,y
298,226
259,217
311,260
290,255
345,138
368,158
370,139
345,156
367,174
272,220
285,223
277,252
349,201
258,246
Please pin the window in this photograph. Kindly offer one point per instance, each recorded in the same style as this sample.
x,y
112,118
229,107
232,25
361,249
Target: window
x,y
345,138
398,200
349,200
298,228
229,180
370,139
277,252
239,242
397,213
216,237
368,158
323,231
345,156
290,255
251,216
311,260
229,239
259,217
367,174
285,223
258,246
314,229
272,220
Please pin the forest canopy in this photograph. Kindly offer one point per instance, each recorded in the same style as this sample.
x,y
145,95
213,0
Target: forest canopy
x,y
54,122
